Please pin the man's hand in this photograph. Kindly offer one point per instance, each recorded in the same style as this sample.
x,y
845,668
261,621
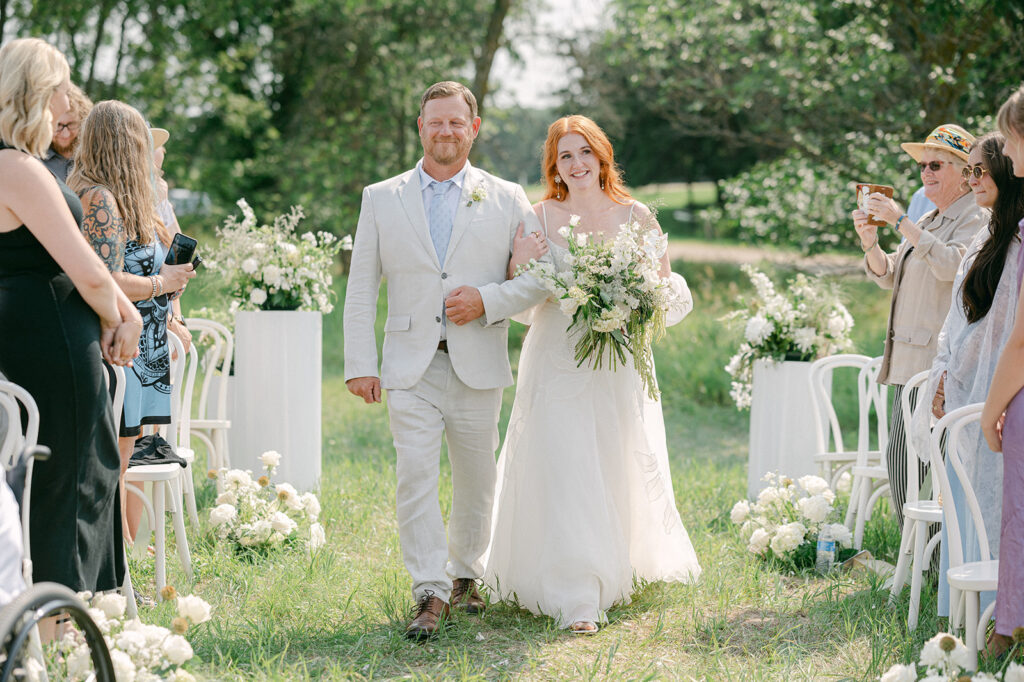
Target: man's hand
x,y
464,305
367,388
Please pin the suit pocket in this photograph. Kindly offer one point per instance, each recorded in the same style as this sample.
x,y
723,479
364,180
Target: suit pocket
x,y
913,336
398,323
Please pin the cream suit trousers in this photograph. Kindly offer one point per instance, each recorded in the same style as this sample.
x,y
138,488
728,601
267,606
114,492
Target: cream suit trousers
x,y
439,403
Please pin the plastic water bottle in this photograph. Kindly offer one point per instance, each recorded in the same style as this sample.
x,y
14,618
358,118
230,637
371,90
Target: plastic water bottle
x,y
826,557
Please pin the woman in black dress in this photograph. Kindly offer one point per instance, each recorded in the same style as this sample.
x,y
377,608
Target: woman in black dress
x,y
61,313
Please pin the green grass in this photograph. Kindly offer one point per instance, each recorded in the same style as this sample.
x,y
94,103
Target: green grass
x,y
341,615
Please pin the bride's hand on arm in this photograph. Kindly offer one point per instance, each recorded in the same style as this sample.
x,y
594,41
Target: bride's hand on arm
x,y
526,247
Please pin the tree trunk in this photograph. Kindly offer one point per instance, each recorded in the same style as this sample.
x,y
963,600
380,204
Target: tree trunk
x,y
101,23
115,84
3,17
485,58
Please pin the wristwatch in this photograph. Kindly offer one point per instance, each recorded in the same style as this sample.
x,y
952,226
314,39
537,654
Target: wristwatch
x,y
180,320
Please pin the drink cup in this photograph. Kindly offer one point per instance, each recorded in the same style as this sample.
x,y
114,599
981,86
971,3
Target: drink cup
x,y
863,190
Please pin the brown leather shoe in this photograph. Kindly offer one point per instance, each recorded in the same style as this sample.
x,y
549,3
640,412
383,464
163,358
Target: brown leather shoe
x,y
431,615
466,597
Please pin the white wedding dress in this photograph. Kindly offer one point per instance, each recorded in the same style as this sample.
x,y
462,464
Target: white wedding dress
x,y
584,501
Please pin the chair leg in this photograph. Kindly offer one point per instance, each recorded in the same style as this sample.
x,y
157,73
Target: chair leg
x,y
862,508
972,600
899,577
128,591
160,511
986,616
223,456
851,511
932,544
189,493
920,531
180,539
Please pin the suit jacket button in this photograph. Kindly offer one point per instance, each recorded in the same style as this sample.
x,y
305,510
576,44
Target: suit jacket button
x,y
437,319
444,275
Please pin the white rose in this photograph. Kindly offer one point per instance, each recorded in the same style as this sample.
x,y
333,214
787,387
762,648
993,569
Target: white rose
x,y
237,479
249,266
900,673
317,537
568,306
740,511
80,663
227,497
289,495
131,641
581,239
815,508
124,669
836,325
111,604
194,608
574,220
177,649
282,523
758,541
272,275
1015,673
270,458
768,496
312,506
805,338
258,296
221,514
814,485
565,231
787,538
843,536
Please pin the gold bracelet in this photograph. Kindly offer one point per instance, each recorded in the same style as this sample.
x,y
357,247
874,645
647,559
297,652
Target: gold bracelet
x,y
869,246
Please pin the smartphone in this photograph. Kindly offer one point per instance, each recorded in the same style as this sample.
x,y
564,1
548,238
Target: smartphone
x,y
181,250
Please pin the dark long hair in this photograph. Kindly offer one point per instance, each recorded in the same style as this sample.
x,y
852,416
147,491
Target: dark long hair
x,y
979,285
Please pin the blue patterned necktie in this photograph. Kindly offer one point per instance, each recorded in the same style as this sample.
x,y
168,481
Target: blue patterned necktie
x,y
440,218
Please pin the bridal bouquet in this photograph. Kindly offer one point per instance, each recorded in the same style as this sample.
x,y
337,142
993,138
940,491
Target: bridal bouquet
x,y
137,650
269,267
614,294
785,521
805,322
256,516
945,657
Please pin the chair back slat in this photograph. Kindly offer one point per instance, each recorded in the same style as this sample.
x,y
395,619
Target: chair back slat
x,y
955,422
872,396
16,398
914,481
216,358
826,421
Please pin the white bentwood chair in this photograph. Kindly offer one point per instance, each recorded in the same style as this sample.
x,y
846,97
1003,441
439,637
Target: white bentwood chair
x,y
918,515
210,423
870,474
966,580
831,454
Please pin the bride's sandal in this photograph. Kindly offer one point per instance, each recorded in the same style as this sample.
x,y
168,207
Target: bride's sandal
x,y
583,627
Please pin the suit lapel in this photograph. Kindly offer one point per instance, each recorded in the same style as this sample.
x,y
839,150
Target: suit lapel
x,y
464,214
412,200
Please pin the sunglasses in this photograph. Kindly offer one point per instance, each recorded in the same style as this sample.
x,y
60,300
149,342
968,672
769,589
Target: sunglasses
x,y
977,171
934,166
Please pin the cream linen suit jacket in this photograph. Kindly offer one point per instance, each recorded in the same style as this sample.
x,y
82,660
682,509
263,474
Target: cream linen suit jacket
x,y
393,242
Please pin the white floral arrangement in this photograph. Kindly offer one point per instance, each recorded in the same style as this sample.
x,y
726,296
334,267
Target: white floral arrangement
x,y
255,515
270,267
614,294
806,322
139,652
787,517
945,657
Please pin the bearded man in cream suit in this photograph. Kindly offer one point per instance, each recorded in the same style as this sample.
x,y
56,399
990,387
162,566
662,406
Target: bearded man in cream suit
x,y
441,234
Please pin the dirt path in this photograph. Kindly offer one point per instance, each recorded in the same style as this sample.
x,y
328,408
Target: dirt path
x,y
820,264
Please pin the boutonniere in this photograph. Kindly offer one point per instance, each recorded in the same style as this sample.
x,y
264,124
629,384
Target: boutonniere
x,y
478,194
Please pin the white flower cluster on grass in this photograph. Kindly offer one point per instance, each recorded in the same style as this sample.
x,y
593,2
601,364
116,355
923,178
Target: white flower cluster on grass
x,y
270,267
614,294
255,514
139,652
945,657
786,515
805,322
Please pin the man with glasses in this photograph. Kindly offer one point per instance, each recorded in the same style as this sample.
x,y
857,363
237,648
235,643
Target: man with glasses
x,y
61,155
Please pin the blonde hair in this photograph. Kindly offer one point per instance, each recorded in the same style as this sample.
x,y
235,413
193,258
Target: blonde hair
x,y
31,71
81,105
115,151
1011,115
600,145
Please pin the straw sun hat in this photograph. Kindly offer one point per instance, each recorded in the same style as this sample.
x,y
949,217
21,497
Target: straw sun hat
x,y
947,137
160,137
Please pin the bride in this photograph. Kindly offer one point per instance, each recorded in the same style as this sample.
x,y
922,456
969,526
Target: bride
x,y
584,502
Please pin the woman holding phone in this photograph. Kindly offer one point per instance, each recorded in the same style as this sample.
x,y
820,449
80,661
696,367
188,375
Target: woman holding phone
x,y
113,176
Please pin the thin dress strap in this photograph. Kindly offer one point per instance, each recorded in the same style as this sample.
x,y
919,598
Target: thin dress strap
x,y
544,214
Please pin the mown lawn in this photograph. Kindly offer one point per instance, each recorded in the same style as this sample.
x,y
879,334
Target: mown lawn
x,y
341,615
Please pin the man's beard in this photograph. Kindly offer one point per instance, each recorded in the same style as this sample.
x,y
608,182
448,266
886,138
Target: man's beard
x,y
446,154
68,151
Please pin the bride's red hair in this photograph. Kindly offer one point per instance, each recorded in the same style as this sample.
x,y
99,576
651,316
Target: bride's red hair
x,y
611,177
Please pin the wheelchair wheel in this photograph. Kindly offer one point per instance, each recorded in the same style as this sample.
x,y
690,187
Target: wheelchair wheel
x,y
38,602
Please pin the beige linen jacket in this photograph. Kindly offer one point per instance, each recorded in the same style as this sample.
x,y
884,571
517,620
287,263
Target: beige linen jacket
x,y
921,280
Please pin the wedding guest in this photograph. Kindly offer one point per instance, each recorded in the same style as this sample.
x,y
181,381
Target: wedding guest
x,y
62,314
165,211
584,504
1002,422
112,175
60,156
920,273
977,327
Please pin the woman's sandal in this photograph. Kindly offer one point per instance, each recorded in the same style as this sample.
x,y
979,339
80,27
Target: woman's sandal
x,y
583,627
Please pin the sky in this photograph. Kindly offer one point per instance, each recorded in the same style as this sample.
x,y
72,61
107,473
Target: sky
x,y
535,82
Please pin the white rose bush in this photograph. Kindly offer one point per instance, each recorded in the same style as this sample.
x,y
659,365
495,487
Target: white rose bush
x,y
270,267
614,294
785,520
805,322
945,657
256,516
138,651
